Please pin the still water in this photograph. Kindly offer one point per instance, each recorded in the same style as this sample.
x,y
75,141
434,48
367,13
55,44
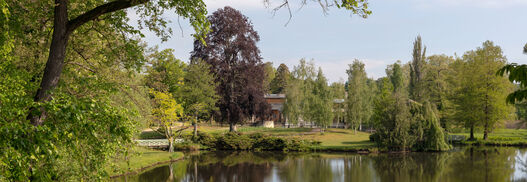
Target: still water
x,y
465,164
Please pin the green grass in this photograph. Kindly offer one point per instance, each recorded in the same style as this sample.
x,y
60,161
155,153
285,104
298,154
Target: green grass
x,y
340,139
141,158
503,137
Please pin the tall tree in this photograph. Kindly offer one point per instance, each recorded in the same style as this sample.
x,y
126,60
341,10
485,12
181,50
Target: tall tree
x,y
230,48
438,88
199,92
69,17
417,72
279,83
299,93
481,96
321,102
358,102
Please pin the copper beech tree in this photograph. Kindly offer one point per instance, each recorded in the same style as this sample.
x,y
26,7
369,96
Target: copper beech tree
x,y
235,60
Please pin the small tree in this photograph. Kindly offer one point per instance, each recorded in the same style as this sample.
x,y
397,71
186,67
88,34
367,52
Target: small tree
x,y
166,114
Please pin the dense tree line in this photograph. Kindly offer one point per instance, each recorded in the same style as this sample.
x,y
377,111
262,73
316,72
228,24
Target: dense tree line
x,y
416,104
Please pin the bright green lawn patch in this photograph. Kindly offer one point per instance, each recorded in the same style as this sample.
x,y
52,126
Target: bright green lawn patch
x,y
505,137
141,158
340,139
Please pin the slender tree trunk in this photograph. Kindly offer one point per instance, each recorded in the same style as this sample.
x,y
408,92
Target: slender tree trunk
x,y
486,131
171,172
360,125
195,124
195,171
471,132
170,145
55,62
195,133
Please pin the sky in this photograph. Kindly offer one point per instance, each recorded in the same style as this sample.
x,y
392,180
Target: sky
x,y
334,40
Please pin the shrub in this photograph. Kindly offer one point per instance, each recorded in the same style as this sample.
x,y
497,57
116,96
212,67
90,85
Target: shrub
x,y
206,139
151,135
233,141
257,141
186,146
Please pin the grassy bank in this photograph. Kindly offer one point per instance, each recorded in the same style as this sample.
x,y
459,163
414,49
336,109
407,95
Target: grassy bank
x,y
333,139
499,137
142,158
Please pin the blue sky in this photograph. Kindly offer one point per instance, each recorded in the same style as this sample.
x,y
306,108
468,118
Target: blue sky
x,y
447,27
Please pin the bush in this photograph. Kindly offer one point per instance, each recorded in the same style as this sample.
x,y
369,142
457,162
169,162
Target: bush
x,y
206,139
233,141
186,146
257,141
151,135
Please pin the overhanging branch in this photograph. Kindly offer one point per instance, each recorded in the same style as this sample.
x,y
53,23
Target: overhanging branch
x,y
101,10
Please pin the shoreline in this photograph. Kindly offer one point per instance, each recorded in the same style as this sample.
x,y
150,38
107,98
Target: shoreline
x,y
150,166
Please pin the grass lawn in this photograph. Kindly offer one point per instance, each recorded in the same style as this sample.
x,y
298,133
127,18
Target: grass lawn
x,y
142,158
331,139
501,136
502,132
340,139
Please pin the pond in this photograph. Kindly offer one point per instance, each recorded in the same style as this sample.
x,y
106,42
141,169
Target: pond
x,y
460,164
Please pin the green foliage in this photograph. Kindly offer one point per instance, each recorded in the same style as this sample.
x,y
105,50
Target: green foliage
x,y
431,136
233,141
321,102
166,73
299,93
270,73
480,94
439,75
417,72
199,90
359,105
280,80
517,74
255,141
166,115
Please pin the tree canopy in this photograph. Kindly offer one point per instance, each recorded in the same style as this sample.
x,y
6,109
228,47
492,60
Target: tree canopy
x,y
230,48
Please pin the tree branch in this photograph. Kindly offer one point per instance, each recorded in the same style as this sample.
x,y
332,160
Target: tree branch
x,y
101,10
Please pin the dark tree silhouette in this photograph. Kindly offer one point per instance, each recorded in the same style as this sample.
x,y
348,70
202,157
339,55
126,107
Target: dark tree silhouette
x,y
235,60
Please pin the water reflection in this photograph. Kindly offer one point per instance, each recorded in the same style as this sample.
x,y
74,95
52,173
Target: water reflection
x,y
461,164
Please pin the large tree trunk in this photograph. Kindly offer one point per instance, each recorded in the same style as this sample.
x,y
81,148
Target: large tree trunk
x,y
232,127
55,63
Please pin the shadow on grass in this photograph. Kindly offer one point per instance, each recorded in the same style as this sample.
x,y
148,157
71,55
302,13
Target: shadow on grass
x,y
359,143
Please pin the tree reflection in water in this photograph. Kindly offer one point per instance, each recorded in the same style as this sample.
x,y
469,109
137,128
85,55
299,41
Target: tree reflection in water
x,y
461,164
